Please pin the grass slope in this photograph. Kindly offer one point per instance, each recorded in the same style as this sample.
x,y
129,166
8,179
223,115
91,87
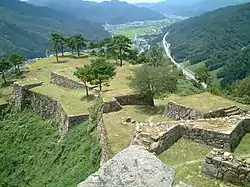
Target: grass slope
x,y
32,155
186,157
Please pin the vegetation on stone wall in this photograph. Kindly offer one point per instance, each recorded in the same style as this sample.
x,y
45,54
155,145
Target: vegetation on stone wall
x,y
33,155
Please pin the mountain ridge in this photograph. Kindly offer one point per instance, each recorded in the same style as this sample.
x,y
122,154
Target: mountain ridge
x,y
112,12
26,28
190,8
217,38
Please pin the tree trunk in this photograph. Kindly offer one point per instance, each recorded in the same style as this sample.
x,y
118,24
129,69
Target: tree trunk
x,y
120,51
4,80
57,56
78,51
72,50
62,52
87,90
100,86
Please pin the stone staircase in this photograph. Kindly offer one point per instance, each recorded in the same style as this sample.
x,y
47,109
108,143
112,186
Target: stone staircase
x,y
232,111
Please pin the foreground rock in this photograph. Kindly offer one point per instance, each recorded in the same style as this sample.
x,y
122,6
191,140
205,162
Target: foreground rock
x,y
132,167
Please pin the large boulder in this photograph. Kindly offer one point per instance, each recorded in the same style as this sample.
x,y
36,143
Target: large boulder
x,y
132,167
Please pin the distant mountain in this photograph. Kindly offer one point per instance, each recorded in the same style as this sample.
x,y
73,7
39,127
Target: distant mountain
x,y
26,28
113,12
220,38
191,7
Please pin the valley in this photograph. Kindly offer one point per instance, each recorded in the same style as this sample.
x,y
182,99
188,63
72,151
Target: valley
x,y
127,95
142,28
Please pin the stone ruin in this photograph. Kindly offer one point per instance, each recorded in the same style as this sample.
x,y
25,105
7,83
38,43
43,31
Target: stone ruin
x,y
225,166
155,137
179,112
223,133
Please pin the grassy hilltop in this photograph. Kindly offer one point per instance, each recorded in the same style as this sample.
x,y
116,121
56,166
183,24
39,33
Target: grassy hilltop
x,y
31,145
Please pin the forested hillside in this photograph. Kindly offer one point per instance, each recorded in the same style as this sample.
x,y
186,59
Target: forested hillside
x,y
25,28
113,12
221,38
190,7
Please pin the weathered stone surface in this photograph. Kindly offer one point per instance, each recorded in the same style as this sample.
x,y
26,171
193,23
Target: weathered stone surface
x,y
67,82
226,167
154,146
133,99
44,105
111,106
132,167
105,152
178,112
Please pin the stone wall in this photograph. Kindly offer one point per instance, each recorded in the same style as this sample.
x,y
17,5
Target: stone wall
x,y
178,112
67,82
238,133
133,99
225,166
163,135
111,106
119,101
208,137
19,92
105,152
157,143
44,106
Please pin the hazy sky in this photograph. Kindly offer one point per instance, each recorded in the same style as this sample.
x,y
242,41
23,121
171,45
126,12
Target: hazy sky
x,y
134,1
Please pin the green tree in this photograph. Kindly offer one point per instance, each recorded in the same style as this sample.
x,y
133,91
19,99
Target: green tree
x,y
85,75
4,66
119,48
155,56
241,91
55,40
17,59
203,76
101,71
154,82
80,42
62,44
71,44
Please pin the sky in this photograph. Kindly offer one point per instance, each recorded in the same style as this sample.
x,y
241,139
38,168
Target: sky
x,y
134,1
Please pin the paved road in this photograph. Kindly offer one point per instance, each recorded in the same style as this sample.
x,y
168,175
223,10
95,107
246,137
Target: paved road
x,y
188,73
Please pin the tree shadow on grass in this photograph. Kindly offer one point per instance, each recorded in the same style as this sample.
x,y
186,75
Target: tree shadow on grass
x,y
61,61
88,98
151,110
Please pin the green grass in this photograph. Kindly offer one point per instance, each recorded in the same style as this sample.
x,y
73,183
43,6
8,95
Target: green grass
x,y
119,85
194,67
130,32
215,81
203,102
119,132
186,157
32,155
74,101
244,147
